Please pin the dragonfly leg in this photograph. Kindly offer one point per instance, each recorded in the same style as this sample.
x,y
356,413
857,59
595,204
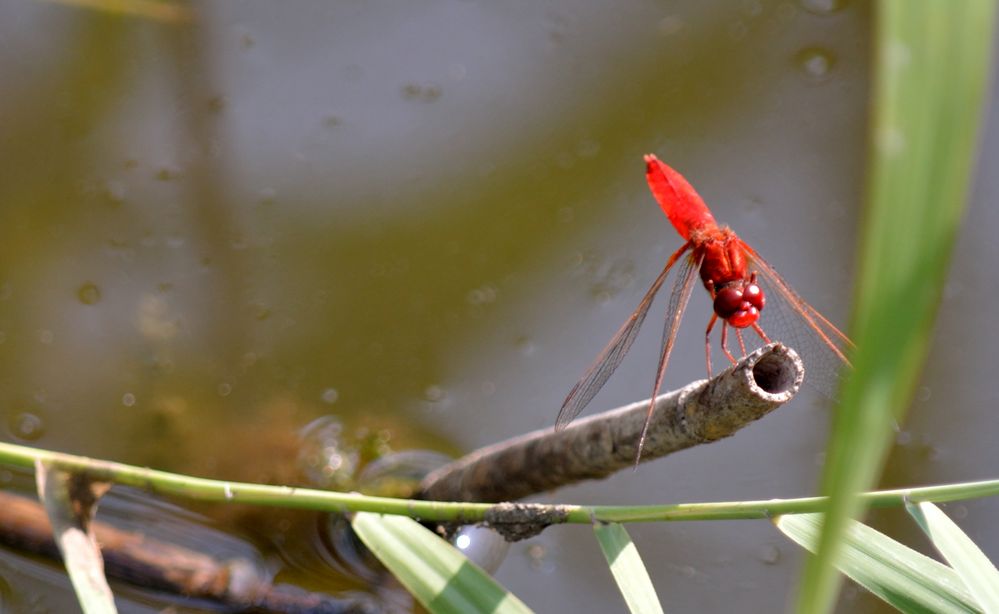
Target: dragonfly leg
x,y
707,341
742,343
724,342
759,331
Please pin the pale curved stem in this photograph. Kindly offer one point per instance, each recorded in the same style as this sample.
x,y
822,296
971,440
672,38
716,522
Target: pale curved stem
x,y
596,447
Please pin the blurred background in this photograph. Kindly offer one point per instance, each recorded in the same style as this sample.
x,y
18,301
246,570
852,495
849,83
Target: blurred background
x,y
425,219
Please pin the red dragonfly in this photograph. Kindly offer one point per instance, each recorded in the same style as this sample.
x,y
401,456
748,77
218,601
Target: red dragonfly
x,y
729,270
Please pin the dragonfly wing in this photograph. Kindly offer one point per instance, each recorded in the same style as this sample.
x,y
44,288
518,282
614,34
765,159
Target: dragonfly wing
x,y
610,358
678,299
790,319
832,337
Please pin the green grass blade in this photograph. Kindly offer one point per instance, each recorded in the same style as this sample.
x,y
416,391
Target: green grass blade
x,y
970,563
627,568
930,72
908,580
436,573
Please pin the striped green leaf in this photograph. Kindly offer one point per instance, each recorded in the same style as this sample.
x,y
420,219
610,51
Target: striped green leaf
x,y
435,572
970,563
908,580
627,568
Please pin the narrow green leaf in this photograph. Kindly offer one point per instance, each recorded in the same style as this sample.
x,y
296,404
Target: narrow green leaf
x,y
436,573
908,580
627,568
931,66
970,563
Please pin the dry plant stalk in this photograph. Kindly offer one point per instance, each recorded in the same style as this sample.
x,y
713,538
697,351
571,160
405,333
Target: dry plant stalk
x,y
595,447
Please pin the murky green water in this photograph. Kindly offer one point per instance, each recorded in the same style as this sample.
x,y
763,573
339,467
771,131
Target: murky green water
x,y
426,219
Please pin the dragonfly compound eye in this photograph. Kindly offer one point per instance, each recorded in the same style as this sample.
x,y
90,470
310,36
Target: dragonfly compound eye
x,y
754,294
728,301
740,307
744,317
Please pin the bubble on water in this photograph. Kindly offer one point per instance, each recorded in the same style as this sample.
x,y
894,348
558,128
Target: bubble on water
x,y
261,311
329,396
399,474
687,571
482,546
606,277
248,359
167,173
27,426
957,512
525,345
434,393
267,196
224,389
115,192
815,62
154,319
323,456
670,25
823,7
421,93
537,557
89,293
482,295
46,336
128,399
769,554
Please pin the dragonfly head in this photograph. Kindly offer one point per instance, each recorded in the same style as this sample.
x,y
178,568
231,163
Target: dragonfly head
x,y
740,302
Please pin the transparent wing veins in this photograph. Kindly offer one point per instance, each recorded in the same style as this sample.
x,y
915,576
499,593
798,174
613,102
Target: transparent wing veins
x,y
833,337
674,314
597,374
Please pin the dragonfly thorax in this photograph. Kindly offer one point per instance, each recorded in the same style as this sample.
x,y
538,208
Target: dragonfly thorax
x,y
722,257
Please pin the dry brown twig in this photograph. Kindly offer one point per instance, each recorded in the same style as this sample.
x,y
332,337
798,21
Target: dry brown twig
x,y
595,447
